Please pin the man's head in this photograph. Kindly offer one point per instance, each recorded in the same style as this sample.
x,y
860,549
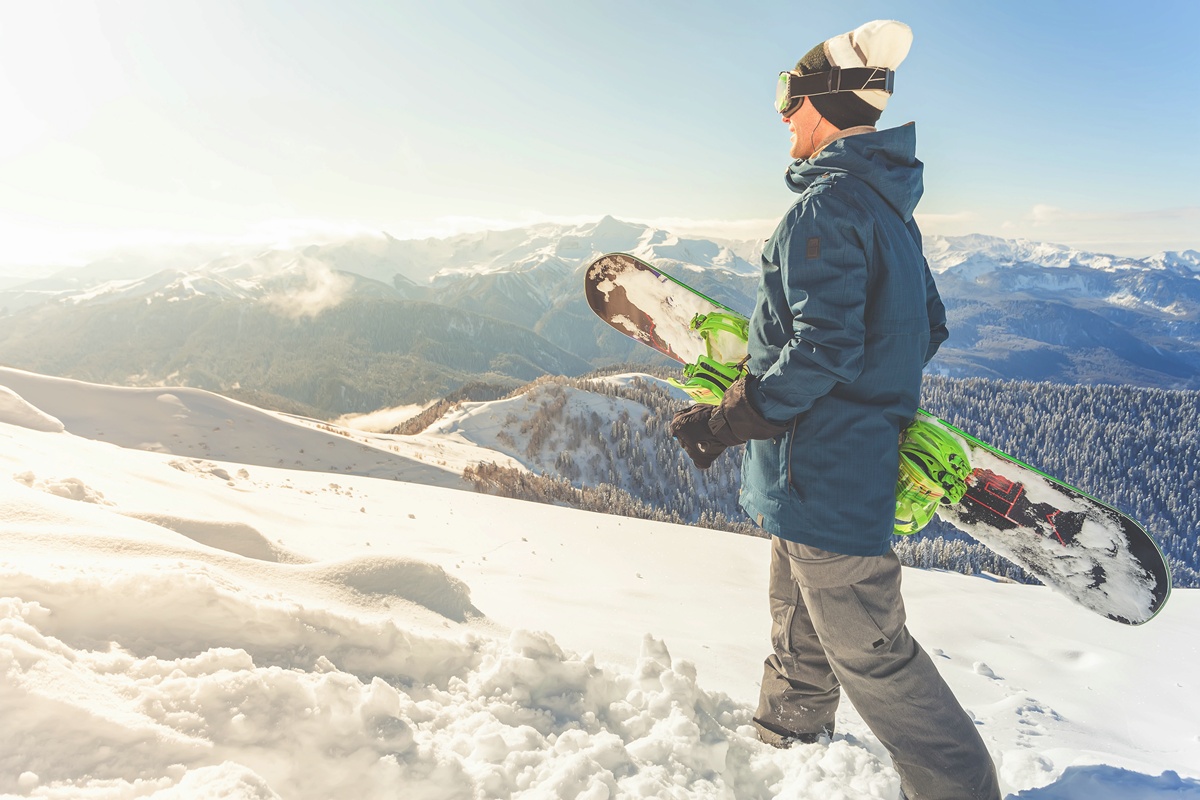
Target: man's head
x,y
879,47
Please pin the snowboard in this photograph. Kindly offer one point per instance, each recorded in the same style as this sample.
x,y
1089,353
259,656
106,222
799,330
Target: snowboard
x,y
1069,540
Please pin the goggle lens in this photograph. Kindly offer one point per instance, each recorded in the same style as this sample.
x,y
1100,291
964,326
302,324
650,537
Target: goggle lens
x,y
785,102
783,97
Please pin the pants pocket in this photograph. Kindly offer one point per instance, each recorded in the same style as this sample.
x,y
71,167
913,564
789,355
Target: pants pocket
x,y
854,601
783,614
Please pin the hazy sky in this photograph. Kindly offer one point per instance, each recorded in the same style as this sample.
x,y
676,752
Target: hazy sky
x,y
187,120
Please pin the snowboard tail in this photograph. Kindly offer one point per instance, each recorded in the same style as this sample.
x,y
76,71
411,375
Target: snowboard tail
x,y
1078,545
1069,540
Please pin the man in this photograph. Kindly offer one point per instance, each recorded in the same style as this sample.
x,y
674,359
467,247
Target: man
x,y
847,317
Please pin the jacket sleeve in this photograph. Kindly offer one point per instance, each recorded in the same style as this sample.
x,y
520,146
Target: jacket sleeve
x,y
938,332
823,268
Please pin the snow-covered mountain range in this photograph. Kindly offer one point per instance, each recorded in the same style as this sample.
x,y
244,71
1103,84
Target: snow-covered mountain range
x,y
199,598
1018,310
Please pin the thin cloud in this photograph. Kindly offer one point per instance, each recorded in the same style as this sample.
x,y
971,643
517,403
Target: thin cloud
x,y
318,288
1049,215
947,219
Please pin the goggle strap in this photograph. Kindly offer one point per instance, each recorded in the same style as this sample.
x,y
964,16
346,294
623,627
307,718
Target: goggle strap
x,y
837,79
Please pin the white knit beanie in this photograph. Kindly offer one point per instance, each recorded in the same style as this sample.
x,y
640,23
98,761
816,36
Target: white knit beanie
x,y
879,43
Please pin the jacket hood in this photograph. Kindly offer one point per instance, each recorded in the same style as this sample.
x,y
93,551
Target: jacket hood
x,y
885,160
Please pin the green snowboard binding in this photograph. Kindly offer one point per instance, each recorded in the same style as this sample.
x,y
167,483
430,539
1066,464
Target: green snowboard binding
x,y
933,470
725,335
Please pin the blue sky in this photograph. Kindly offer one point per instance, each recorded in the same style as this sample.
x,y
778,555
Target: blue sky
x,y
137,120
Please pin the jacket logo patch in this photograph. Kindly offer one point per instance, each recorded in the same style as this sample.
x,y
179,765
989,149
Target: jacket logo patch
x,y
814,248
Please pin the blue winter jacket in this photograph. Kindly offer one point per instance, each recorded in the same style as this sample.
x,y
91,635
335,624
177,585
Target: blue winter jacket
x,y
846,318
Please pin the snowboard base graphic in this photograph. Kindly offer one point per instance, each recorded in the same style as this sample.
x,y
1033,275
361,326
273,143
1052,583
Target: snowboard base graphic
x,y
1072,542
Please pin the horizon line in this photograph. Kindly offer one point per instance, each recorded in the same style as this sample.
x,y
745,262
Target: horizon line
x,y
83,247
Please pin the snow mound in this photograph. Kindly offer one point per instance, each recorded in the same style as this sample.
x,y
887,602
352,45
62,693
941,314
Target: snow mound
x,y
232,537
15,411
70,488
419,582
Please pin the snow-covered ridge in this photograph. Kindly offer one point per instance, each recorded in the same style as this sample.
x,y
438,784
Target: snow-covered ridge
x,y
576,245
547,251
947,252
1126,320
545,254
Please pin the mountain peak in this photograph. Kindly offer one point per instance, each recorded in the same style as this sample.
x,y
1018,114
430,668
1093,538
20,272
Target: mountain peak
x,y
1182,261
609,226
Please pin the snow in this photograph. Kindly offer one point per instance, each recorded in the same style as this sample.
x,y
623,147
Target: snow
x,y
628,379
304,279
182,626
988,253
380,420
195,423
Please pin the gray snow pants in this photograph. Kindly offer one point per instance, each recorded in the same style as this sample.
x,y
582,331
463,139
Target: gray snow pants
x,y
838,621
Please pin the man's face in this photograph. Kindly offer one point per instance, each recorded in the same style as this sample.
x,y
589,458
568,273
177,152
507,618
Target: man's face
x,y
803,124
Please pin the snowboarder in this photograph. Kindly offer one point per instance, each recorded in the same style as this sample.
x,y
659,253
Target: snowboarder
x,y
847,316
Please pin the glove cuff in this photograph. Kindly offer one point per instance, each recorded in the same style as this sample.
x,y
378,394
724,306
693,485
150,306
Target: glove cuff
x,y
737,420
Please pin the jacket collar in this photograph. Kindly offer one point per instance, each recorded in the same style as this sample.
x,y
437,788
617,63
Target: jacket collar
x,y
842,134
885,160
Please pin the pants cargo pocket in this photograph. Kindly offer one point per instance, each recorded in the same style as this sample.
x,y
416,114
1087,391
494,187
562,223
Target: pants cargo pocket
x,y
844,623
783,614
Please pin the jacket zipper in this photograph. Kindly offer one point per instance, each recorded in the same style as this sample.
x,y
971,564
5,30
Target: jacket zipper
x,y
791,446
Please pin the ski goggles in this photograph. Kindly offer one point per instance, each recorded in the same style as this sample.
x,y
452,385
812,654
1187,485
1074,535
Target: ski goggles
x,y
792,87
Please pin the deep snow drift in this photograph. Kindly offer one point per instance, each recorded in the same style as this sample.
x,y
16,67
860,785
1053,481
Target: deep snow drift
x,y
190,619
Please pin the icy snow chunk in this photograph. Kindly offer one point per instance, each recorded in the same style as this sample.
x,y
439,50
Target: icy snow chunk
x,y
70,488
986,671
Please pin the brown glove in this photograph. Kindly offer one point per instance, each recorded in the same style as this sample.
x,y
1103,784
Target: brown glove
x,y
705,431
690,429
737,421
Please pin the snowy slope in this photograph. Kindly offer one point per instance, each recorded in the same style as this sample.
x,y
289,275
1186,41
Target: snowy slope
x,y
199,424
178,627
505,426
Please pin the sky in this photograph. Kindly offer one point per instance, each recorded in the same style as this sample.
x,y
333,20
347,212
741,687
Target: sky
x,y
136,121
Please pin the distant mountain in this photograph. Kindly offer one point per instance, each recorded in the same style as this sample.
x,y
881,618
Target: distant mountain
x,y
1035,311
1018,310
362,354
